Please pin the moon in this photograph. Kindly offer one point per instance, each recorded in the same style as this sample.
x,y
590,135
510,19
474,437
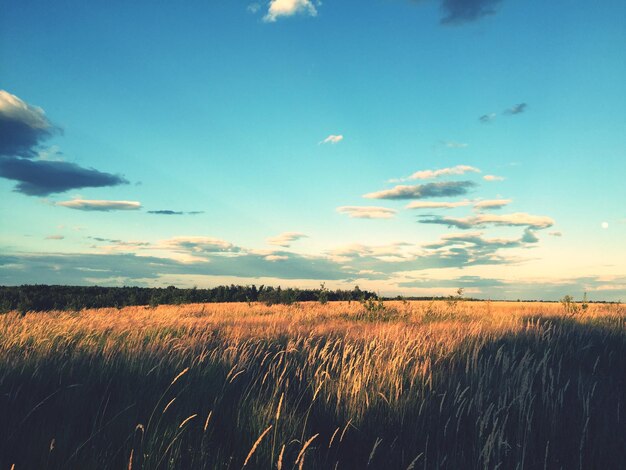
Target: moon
x,y
604,225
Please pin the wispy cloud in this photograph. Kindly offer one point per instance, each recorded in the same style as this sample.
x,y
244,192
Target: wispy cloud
x,y
286,239
191,249
480,220
432,174
198,244
332,139
282,8
493,178
106,240
131,246
492,204
391,251
456,145
55,237
555,234
475,240
458,12
171,212
100,205
517,109
513,110
253,8
367,212
437,205
424,191
487,118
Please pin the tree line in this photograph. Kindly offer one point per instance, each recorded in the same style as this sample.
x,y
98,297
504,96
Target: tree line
x,y
43,297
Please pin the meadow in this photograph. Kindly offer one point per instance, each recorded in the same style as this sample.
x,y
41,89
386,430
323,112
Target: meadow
x,y
341,385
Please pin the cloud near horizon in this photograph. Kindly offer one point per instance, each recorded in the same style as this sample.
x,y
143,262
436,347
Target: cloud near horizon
x,y
367,212
100,205
286,239
424,191
144,263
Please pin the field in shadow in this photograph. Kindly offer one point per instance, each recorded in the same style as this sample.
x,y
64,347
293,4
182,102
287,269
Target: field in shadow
x,y
550,394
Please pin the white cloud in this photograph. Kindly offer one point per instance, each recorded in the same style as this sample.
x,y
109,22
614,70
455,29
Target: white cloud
x,y
555,234
437,205
285,239
100,205
55,237
431,174
367,212
456,145
493,178
492,204
332,139
278,8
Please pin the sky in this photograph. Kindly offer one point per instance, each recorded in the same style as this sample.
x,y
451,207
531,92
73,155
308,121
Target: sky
x,y
408,147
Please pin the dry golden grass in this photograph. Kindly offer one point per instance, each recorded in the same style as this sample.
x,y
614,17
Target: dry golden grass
x,y
431,385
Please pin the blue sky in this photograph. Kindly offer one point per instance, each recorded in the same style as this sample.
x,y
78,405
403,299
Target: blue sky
x,y
154,143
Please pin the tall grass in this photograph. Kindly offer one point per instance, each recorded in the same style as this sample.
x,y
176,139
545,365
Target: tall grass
x,y
416,385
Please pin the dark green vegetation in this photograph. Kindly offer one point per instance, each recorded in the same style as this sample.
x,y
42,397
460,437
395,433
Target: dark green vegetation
x,y
197,393
41,298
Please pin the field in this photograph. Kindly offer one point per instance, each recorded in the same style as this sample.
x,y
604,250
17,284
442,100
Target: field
x,y
346,385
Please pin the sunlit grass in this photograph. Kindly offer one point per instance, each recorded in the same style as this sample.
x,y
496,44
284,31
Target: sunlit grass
x,y
340,385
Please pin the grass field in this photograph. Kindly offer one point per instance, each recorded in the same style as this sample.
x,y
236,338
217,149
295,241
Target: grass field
x,y
406,385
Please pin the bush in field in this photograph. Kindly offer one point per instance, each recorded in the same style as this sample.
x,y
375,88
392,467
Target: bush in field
x,y
375,310
571,307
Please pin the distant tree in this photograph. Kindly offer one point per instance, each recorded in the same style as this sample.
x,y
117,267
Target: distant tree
x,y
322,296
